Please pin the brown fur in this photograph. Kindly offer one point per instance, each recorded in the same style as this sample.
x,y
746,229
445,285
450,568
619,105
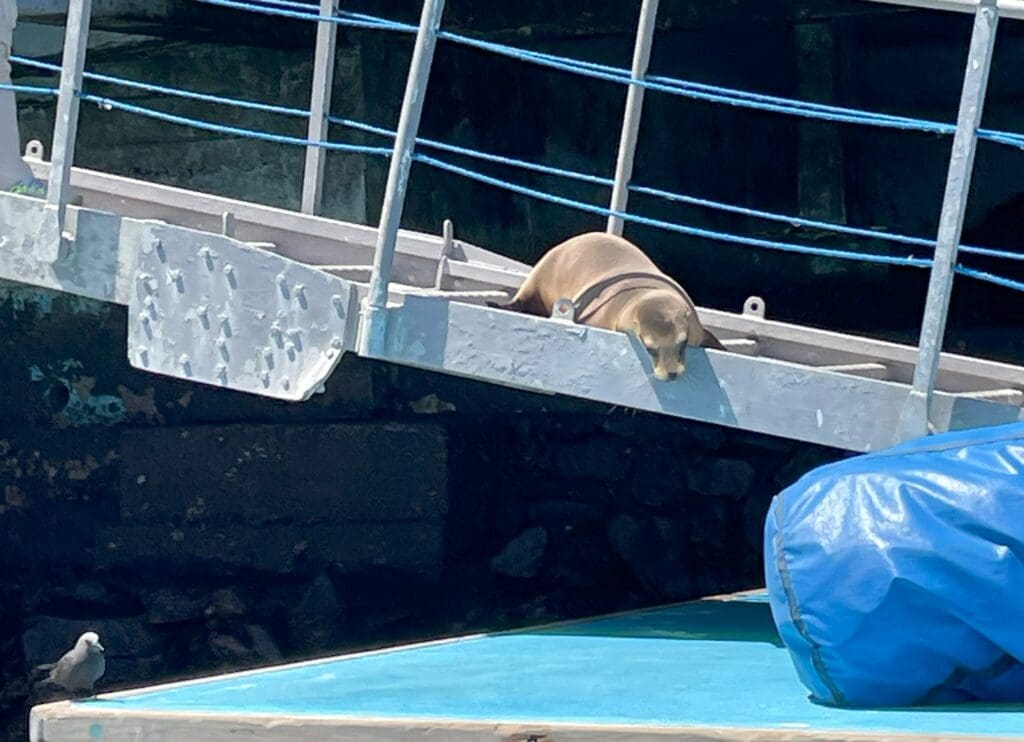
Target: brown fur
x,y
617,287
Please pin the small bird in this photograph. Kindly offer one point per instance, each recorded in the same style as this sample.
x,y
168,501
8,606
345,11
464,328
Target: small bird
x,y
79,669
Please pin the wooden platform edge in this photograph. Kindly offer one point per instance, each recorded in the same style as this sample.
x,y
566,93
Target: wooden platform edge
x,y
66,721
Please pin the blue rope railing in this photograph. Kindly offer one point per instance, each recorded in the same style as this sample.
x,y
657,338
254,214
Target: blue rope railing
x,y
314,15
1003,281
28,89
670,226
518,163
111,103
674,86
364,21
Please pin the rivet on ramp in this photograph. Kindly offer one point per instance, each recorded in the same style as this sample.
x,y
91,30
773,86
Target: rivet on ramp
x,y
225,323
277,335
149,284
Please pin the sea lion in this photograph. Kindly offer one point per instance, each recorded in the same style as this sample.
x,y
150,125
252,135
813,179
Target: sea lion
x,y
614,285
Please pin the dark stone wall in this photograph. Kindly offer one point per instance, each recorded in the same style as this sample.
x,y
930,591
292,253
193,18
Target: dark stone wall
x,y
200,531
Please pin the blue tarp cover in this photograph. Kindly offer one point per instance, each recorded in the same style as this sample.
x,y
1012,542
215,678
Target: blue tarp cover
x,y
897,578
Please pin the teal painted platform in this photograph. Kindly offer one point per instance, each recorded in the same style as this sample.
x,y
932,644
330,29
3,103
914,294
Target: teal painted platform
x,y
712,664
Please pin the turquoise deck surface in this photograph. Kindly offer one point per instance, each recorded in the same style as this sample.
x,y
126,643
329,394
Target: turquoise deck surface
x,y
712,663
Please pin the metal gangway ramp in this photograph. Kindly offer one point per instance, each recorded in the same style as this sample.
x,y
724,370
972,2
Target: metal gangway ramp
x,y
266,301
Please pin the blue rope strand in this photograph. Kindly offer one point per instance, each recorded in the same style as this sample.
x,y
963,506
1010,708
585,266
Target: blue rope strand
x,y
285,13
28,89
692,231
990,278
149,87
110,103
309,8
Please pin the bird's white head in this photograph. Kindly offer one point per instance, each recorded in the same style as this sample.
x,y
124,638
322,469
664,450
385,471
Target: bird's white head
x,y
90,640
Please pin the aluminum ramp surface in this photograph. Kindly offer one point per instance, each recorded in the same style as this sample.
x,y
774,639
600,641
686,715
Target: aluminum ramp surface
x,y
266,301
713,669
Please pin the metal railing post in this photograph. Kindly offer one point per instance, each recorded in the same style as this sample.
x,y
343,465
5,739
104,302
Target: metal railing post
x,y
54,243
631,118
320,108
373,330
914,419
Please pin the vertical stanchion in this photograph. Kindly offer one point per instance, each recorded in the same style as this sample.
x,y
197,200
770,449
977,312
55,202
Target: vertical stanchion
x,y
914,418
54,244
374,325
320,108
631,119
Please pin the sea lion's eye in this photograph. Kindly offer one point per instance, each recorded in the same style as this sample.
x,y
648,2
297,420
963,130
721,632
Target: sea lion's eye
x,y
653,353
682,351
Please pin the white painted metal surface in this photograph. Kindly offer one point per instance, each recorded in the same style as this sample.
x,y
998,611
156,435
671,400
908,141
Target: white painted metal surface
x,y
837,390
209,309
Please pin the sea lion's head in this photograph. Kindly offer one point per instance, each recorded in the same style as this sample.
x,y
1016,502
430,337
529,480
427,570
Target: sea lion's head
x,y
661,321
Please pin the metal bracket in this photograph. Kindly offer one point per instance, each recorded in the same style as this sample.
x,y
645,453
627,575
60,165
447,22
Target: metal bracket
x,y
564,310
227,223
209,309
754,306
447,250
34,150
